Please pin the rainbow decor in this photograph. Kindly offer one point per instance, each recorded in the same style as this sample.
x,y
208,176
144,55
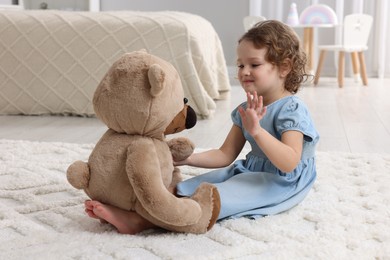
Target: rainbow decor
x,y
318,14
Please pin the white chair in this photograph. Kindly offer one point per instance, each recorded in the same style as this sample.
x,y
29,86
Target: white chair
x,y
356,30
250,21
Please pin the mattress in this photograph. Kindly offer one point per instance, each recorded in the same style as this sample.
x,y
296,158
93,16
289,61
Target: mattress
x,y
52,61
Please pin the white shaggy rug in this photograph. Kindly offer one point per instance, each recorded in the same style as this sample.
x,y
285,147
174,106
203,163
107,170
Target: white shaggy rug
x,y
345,216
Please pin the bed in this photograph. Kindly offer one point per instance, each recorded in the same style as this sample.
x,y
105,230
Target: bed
x,y
52,61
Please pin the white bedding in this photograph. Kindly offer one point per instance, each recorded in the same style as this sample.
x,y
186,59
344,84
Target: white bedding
x,y
52,61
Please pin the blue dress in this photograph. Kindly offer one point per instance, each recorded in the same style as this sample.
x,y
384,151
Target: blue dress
x,y
254,187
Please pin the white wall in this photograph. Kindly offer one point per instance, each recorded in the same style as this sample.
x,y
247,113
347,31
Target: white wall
x,y
226,16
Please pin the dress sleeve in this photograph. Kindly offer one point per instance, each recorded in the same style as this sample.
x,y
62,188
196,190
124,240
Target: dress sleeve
x,y
294,115
235,115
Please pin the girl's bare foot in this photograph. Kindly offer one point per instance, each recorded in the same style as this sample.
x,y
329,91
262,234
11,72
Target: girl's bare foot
x,y
127,222
89,211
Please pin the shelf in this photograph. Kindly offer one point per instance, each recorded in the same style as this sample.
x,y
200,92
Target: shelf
x,y
66,5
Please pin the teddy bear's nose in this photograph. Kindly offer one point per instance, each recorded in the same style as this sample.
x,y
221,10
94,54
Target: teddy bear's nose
x,y
191,118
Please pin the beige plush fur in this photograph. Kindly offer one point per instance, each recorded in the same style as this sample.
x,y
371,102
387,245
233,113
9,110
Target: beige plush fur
x,y
131,167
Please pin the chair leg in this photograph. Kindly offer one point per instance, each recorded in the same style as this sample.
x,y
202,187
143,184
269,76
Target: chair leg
x,y
363,71
308,47
340,75
355,66
319,66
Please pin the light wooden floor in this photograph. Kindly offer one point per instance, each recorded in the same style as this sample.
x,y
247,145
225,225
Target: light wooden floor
x,y
352,119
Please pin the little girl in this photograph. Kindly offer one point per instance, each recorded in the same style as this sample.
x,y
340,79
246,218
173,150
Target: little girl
x,y
280,169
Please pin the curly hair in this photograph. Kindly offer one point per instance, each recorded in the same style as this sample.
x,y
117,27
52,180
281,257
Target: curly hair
x,y
282,43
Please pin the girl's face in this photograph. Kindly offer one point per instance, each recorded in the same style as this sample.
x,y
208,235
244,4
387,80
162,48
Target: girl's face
x,y
254,72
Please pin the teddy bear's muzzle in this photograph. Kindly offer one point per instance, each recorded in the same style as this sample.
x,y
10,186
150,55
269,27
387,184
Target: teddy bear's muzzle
x,y
185,119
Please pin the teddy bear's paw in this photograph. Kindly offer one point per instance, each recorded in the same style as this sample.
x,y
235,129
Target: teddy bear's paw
x,y
181,148
78,175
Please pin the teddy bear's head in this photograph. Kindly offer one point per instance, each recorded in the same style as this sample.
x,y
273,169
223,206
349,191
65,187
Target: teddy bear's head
x,y
142,94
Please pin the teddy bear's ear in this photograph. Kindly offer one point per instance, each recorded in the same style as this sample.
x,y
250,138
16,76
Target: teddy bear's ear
x,y
157,79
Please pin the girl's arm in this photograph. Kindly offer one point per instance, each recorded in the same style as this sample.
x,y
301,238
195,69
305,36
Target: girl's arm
x,y
284,154
217,158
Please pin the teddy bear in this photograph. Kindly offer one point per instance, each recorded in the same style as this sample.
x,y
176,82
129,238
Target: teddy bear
x,y
141,100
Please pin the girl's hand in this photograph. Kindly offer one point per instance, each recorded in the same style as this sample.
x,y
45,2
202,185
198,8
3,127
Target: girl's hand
x,y
253,113
183,162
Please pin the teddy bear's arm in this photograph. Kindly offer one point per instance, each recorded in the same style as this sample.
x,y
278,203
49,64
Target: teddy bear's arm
x,y
143,170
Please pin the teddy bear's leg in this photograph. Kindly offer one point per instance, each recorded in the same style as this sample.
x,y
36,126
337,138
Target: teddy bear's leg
x,y
78,174
208,198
